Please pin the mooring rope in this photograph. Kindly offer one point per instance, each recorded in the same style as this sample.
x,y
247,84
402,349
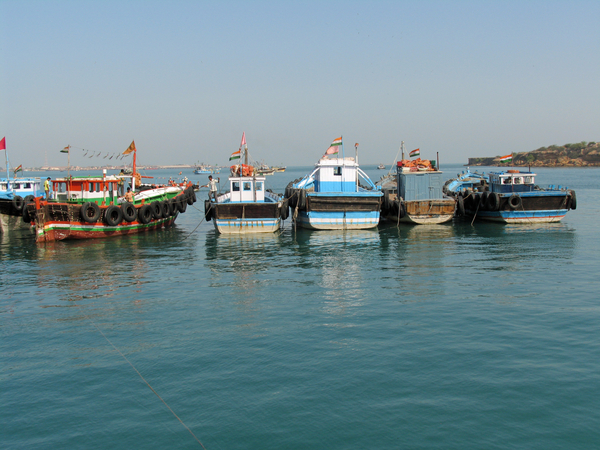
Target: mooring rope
x,y
144,380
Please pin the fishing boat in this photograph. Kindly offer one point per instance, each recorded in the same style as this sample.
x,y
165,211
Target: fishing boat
x,y
89,207
202,169
14,194
381,167
331,196
511,196
414,193
248,207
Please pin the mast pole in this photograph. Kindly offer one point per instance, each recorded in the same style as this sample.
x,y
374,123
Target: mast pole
x,y
7,177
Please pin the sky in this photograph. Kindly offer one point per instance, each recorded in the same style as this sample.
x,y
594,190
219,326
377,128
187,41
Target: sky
x,y
185,79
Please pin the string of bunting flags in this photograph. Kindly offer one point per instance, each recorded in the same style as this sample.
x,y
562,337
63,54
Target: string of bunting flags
x,y
100,154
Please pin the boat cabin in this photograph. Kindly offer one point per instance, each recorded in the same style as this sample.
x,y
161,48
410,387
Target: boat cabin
x,y
22,186
100,190
336,175
247,189
511,181
425,185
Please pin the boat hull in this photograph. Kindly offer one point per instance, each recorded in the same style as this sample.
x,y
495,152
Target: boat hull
x,y
241,218
339,212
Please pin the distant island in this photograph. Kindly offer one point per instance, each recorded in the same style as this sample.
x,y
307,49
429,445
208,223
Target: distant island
x,y
582,154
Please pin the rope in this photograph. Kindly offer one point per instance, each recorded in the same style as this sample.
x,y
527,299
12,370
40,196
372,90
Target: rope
x,y
144,380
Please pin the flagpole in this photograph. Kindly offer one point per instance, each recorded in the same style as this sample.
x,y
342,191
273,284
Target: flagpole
x,y
7,177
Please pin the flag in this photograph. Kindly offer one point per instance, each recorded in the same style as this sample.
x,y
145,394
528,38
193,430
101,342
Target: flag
x,y
3,144
415,152
130,149
236,155
66,149
507,158
19,169
334,148
243,140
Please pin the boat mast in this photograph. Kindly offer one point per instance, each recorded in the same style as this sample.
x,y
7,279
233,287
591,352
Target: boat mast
x,y
7,164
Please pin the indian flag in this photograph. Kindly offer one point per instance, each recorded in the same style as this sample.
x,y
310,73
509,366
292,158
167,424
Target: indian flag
x,y
334,148
19,169
507,158
415,152
236,155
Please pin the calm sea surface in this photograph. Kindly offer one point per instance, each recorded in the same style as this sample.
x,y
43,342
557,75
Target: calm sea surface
x,y
441,337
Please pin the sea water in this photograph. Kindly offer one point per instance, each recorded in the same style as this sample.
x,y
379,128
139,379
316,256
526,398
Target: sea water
x,y
438,337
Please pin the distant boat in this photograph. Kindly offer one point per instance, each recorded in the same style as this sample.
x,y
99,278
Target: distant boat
x,y
202,169
331,197
381,167
248,207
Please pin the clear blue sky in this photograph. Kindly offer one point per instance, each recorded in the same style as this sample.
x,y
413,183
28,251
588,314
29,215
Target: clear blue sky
x,y
186,78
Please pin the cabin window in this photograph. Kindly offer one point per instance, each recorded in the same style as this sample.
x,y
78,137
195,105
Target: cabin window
x,y
60,187
518,180
259,186
27,185
506,181
3,186
247,186
528,180
91,187
337,171
235,186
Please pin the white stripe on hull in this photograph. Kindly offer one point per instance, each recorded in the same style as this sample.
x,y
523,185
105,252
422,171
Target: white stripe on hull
x,y
246,226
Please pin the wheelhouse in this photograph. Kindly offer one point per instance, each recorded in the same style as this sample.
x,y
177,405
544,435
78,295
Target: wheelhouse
x,y
505,182
247,189
103,191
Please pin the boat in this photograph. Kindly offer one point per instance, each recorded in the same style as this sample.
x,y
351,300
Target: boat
x,y
331,196
248,207
263,169
279,168
414,193
511,196
202,169
89,207
381,167
14,194
417,197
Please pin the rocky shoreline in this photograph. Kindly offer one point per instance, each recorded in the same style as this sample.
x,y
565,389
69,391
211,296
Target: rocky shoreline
x,y
583,154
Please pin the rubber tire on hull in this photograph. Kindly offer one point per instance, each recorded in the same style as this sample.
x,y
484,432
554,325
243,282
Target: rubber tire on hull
x,y
173,205
484,197
401,210
145,214
515,201
573,200
157,210
113,215
129,212
18,203
188,196
166,210
284,213
493,201
181,203
90,212
460,206
301,198
207,210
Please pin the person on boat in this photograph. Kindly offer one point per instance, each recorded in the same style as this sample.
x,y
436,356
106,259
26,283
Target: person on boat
x,y
47,187
129,195
212,185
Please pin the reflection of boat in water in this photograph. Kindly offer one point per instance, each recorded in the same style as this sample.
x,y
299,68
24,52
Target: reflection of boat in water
x,y
95,207
248,207
331,196
511,196
416,194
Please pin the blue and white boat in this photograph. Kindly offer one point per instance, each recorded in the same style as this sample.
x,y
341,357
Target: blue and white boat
x,y
511,196
332,198
204,170
248,207
14,194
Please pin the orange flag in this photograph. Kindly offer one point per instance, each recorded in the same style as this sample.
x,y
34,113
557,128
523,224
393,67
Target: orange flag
x,y
130,149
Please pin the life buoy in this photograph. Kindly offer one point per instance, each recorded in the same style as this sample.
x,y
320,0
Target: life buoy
x,y
90,212
145,214
493,201
573,200
207,210
18,203
129,212
157,210
113,215
515,201
460,206
285,209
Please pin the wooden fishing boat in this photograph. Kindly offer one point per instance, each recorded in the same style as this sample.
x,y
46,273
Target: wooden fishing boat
x,y
331,196
248,207
91,207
